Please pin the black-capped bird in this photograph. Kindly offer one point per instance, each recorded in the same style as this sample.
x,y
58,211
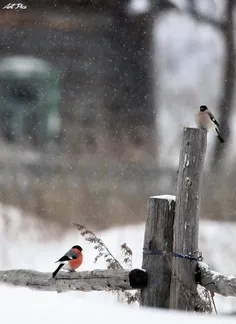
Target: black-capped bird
x,y
71,260
206,120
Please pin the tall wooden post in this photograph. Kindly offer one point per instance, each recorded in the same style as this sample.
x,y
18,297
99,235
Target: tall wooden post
x,y
158,238
183,284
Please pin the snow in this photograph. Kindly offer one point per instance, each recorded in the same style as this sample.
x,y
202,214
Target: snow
x,y
215,275
29,243
61,309
170,198
27,247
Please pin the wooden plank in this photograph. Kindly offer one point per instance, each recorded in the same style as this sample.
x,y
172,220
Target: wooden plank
x,y
98,280
82,281
158,237
183,286
216,282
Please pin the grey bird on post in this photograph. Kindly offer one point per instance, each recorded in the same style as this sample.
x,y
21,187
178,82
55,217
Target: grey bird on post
x,y
205,120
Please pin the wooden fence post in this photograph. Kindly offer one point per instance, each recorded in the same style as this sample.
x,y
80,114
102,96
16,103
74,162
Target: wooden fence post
x,y
183,284
158,238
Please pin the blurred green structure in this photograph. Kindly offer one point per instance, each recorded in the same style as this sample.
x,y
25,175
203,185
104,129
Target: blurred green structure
x,y
29,100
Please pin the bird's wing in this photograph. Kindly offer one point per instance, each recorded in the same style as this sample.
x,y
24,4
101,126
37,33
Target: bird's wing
x,y
70,255
64,258
213,119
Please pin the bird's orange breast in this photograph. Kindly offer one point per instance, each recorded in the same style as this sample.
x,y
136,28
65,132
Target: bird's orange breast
x,y
75,263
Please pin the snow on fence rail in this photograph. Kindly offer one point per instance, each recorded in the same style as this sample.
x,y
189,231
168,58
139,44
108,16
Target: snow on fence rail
x,y
172,266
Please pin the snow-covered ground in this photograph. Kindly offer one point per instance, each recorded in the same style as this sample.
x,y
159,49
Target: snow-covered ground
x,y
26,243
46,308
61,309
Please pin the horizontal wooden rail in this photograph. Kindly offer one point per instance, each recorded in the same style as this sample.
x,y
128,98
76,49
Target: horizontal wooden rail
x,y
95,280
98,280
216,282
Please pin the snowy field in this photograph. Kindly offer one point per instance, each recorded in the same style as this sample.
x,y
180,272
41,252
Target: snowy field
x,y
27,243
61,309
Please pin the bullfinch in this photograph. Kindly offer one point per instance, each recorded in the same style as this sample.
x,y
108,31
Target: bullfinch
x,y
71,260
205,120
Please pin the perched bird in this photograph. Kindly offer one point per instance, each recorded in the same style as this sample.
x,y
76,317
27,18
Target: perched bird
x,y
71,260
205,119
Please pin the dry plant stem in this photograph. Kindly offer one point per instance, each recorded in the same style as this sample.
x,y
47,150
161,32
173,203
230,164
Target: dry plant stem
x,y
113,263
100,243
127,253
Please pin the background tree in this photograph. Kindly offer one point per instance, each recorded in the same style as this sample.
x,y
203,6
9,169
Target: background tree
x,y
226,99
129,95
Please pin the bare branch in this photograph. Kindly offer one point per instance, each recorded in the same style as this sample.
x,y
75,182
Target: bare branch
x,y
163,5
226,100
216,282
200,17
82,281
160,6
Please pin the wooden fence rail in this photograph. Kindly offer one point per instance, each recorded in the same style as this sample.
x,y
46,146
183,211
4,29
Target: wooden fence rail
x,y
98,280
172,265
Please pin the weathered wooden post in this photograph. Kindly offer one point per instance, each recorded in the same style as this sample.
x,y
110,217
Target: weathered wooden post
x,y
158,241
183,294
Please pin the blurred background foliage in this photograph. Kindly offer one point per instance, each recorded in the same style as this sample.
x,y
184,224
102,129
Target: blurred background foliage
x,y
94,97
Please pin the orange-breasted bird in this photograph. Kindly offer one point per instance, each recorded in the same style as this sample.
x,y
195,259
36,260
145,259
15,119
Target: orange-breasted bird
x,y
71,260
205,119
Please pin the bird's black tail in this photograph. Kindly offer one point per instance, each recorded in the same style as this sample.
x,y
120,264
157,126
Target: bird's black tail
x,y
57,269
219,136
